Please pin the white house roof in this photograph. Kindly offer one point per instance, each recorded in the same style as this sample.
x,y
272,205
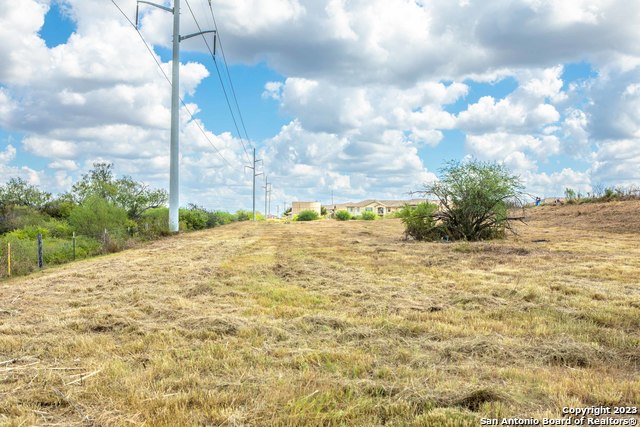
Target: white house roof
x,y
368,202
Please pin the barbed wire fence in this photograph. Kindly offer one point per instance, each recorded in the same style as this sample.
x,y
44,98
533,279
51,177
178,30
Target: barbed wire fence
x,y
20,256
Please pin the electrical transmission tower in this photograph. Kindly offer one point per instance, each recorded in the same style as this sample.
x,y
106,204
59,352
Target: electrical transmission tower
x,y
174,167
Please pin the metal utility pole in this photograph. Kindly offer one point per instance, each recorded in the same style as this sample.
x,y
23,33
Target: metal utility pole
x,y
174,162
253,168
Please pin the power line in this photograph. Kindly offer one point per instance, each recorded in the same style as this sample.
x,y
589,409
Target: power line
x,y
224,90
153,55
150,50
226,65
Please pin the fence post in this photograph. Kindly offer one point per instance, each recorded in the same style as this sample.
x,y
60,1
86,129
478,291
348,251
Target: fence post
x,y
9,259
104,241
40,259
74,245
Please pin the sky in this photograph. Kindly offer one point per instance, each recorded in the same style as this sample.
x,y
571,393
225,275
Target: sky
x,y
350,99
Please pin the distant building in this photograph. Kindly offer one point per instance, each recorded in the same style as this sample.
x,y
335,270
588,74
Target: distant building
x,y
380,207
297,207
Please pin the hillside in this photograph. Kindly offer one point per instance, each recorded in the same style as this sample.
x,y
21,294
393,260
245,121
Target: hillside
x,y
330,323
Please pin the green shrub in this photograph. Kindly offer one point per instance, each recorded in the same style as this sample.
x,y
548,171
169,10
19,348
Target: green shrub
x,y
16,217
242,215
259,216
60,251
217,218
48,227
570,196
95,215
24,252
610,193
59,228
154,222
24,256
193,219
343,216
308,215
29,232
419,221
59,208
368,216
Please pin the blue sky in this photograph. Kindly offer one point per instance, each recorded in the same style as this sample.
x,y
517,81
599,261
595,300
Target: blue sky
x,y
367,99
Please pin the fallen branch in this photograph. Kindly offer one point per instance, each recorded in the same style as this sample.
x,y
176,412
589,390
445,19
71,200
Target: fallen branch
x,y
18,368
17,359
84,377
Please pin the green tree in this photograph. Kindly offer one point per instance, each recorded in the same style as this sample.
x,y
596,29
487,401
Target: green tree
x,y
132,196
474,198
136,197
18,192
98,182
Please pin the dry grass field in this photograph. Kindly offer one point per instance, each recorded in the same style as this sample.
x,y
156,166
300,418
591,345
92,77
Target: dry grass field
x,y
331,323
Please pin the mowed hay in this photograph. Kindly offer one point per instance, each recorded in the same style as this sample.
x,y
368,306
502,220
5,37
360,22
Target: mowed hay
x,y
330,323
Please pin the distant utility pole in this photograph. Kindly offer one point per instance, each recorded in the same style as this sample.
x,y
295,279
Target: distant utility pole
x,y
266,194
174,166
253,168
269,205
332,197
